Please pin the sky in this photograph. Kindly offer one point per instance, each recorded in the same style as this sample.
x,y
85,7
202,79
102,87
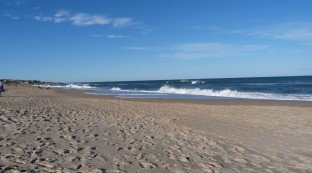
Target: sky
x,y
118,40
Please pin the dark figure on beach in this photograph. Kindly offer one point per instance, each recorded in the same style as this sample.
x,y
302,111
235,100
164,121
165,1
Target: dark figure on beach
x,y
1,88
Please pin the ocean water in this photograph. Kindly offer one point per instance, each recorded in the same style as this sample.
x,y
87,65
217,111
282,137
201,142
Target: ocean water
x,y
269,88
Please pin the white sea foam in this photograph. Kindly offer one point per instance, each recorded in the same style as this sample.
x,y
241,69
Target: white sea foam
x,y
73,86
49,86
143,94
234,94
194,82
77,86
92,93
166,89
117,89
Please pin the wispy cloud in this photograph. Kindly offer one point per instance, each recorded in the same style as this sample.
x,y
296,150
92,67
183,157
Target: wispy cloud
x,y
110,36
210,50
43,18
288,31
13,2
10,16
116,36
121,22
97,35
84,19
295,31
135,48
202,50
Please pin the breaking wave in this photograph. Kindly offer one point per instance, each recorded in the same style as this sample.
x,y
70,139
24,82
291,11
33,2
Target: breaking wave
x,y
117,89
76,86
197,82
224,93
234,94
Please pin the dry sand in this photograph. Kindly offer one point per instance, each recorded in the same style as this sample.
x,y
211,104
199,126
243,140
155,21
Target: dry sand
x,y
53,131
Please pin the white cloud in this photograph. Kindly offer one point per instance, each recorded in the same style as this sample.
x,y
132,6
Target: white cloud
x,y
97,35
115,36
296,31
43,18
289,31
203,50
110,36
136,48
121,22
15,17
292,31
61,16
10,16
253,47
210,50
14,2
84,19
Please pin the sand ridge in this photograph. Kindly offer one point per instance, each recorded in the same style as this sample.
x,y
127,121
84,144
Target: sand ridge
x,y
47,131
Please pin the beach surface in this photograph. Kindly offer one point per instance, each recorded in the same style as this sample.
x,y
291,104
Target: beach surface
x,y
55,131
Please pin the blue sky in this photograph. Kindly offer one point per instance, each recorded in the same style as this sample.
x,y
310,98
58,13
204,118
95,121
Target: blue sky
x,y
113,40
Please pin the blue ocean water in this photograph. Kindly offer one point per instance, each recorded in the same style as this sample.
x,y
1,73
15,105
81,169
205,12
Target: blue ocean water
x,y
270,88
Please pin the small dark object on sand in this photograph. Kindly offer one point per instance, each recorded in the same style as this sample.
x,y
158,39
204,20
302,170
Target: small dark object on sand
x,y
1,88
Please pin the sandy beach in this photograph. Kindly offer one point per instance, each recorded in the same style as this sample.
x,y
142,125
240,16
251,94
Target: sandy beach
x,y
54,131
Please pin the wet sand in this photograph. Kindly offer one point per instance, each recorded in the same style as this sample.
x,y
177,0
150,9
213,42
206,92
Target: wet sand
x,y
57,131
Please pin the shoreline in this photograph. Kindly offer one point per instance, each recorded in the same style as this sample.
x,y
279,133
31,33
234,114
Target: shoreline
x,y
228,102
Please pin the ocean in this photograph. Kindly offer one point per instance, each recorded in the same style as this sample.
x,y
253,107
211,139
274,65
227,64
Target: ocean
x,y
268,88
